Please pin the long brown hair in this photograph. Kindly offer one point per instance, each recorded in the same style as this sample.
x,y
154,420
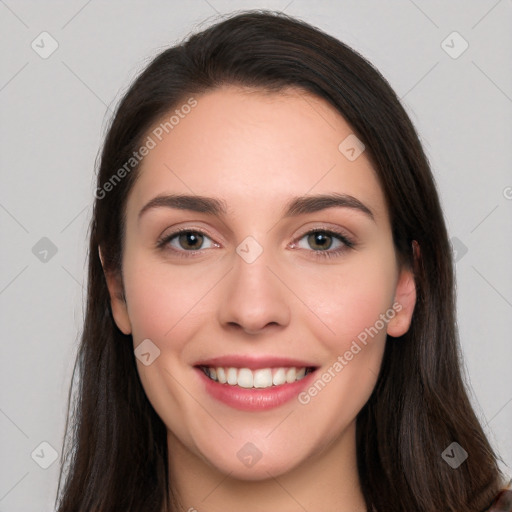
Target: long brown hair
x,y
115,451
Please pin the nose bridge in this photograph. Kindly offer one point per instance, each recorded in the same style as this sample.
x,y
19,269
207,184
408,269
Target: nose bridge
x,y
253,297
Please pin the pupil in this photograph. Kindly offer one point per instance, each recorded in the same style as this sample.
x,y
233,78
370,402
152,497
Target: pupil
x,y
190,240
321,240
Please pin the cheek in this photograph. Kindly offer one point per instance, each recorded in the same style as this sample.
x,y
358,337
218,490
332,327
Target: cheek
x,y
161,300
163,305
355,303
348,299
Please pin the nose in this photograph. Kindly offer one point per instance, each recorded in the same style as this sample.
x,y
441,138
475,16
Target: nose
x,y
253,298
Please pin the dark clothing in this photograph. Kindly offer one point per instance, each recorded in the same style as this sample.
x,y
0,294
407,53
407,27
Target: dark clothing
x,y
503,502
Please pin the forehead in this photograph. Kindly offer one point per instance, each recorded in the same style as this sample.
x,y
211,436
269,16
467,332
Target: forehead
x,y
255,149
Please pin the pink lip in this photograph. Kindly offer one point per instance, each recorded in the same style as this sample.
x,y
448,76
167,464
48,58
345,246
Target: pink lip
x,y
252,362
254,399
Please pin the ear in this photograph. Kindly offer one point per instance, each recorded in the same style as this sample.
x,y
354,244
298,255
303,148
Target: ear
x,y
405,298
117,298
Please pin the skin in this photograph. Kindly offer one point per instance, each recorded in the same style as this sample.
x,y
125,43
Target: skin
x,y
255,151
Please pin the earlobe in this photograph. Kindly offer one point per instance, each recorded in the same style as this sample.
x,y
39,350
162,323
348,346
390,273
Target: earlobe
x,y
405,299
117,298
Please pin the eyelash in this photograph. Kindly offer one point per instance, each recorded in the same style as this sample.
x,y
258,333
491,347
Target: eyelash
x,y
347,242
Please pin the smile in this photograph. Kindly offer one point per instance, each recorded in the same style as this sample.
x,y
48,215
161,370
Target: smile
x,y
258,379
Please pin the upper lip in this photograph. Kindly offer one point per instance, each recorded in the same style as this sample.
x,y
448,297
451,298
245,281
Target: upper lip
x,y
253,362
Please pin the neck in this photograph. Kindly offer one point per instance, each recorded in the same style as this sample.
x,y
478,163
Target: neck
x,y
326,481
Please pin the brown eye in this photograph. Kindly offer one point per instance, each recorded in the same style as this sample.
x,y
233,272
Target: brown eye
x,y
186,240
324,243
320,240
190,240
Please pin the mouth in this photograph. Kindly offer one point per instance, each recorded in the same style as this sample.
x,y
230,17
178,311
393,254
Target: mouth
x,y
261,378
250,383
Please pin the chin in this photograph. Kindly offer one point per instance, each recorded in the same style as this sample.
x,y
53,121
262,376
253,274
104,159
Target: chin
x,y
262,470
250,464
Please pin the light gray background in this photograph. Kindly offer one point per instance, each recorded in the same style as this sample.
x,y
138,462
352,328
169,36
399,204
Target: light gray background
x,y
54,113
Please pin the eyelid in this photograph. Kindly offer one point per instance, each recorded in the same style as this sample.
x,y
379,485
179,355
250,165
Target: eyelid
x,y
347,240
172,231
339,232
163,241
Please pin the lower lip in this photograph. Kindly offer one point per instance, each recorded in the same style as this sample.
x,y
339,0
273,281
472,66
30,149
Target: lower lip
x,y
254,399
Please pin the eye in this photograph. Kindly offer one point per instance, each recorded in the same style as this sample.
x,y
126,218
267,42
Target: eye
x,y
324,242
187,240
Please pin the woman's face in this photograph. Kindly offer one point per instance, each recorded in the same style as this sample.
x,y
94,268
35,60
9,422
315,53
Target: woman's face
x,y
285,265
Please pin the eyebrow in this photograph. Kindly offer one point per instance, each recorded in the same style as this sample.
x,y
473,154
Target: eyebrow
x,y
296,206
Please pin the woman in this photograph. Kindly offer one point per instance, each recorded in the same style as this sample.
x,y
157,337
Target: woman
x,y
270,320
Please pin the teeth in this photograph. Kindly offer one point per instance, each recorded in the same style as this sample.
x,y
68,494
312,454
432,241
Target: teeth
x,y
261,378
221,376
232,376
245,378
291,373
279,377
